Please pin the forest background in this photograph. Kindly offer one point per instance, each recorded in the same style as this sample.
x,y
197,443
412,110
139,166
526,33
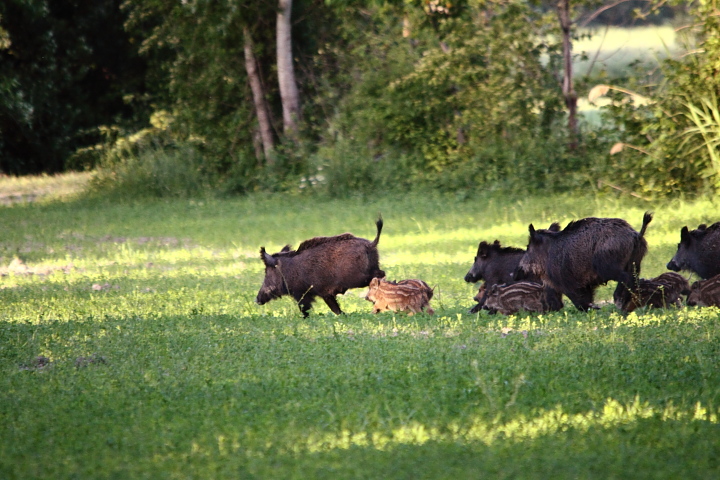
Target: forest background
x,y
350,97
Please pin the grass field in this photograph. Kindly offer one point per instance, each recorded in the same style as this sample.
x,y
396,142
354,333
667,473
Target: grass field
x,y
131,347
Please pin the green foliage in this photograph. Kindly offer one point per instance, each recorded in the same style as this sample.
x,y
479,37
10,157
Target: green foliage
x,y
437,106
130,347
672,154
65,69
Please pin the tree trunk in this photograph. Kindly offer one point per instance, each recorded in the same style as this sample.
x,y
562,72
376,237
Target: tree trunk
x,y
261,110
286,72
563,11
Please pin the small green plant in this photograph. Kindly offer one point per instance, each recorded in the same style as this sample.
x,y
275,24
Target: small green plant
x,y
704,134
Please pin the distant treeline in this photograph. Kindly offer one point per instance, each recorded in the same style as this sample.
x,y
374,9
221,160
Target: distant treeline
x,y
359,96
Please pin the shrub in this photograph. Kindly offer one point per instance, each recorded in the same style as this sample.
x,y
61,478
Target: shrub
x,y
154,171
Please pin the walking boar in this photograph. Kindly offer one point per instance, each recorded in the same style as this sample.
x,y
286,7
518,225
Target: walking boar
x,y
705,293
411,295
585,254
698,251
510,299
321,267
497,265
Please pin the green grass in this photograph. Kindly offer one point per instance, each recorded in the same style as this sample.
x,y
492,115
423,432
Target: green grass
x,y
161,365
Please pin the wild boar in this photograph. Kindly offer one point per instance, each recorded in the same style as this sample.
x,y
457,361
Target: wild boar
x,y
511,298
675,281
705,293
585,254
494,264
480,296
649,293
411,295
698,251
321,267
497,265
662,291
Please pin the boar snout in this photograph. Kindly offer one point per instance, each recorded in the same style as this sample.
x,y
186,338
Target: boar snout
x,y
673,266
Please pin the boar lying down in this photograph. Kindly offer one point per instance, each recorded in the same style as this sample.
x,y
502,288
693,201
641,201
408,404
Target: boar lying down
x,y
663,291
585,254
321,267
705,293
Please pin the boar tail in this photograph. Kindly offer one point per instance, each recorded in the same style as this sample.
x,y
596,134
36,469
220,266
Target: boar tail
x,y
647,218
379,224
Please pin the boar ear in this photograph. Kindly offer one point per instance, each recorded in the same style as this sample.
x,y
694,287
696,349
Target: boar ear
x,y
531,229
554,227
268,260
286,249
684,235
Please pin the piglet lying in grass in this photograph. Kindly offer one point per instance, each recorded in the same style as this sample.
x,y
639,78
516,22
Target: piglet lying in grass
x,y
705,293
663,291
411,295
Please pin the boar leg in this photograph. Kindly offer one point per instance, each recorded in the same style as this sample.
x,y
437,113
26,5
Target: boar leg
x,y
476,308
305,305
553,299
333,304
582,298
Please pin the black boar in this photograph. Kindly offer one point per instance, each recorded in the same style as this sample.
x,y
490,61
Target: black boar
x,y
497,265
411,295
510,299
585,254
698,251
494,264
320,267
705,293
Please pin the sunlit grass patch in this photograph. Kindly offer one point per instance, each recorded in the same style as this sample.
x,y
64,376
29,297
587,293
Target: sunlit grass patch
x,y
41,187
609,416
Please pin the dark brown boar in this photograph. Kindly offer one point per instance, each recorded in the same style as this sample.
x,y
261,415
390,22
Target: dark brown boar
x,y
698,251
662,291
321,267
675,281
497,265
585,254
406,295
479,296
510,299
705,293
650,294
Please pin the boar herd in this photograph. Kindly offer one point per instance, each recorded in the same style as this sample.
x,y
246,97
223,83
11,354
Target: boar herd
x,y
572,262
